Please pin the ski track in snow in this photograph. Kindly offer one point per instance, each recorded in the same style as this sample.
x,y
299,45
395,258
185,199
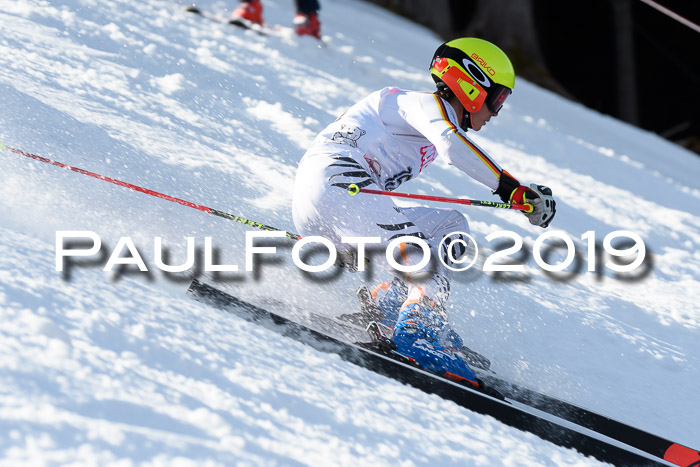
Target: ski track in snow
x,y
99,370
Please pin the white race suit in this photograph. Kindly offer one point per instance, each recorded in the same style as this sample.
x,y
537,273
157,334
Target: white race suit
x,y
384,140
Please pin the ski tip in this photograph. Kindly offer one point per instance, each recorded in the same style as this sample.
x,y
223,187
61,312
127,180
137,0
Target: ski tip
x,y
681,455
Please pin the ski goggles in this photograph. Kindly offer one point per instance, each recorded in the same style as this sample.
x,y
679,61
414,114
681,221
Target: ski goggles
x,y
496,97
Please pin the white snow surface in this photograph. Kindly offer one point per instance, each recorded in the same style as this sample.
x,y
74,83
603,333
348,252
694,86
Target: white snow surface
x,y
101,369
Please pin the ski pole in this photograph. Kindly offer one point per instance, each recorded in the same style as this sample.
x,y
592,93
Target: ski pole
x,y
354,189
172,199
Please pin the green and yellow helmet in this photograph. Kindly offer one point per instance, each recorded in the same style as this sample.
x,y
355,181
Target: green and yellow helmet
x,y
476,71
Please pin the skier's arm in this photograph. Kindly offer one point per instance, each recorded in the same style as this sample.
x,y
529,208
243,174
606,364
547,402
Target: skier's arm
x,y
436,121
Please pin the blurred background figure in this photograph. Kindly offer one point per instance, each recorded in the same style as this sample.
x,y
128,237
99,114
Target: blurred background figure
x,y
306,21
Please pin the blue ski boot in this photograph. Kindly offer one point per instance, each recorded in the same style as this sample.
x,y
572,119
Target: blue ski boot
x,y
416,336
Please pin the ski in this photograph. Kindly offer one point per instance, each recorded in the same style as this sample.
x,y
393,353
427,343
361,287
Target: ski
x,y
644,448
234,22
602,424
632,436
263,30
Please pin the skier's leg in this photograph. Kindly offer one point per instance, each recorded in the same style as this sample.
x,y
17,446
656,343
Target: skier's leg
x,y
444,231
438,223
307,6
306,19
249,11
323,207
422,330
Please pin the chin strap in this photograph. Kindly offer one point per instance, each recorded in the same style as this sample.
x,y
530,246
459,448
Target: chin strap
x,y
466,121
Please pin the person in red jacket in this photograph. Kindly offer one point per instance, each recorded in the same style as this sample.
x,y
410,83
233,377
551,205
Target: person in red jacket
x,y
306,20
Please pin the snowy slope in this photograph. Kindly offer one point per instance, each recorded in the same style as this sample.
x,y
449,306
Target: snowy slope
x,y
100,369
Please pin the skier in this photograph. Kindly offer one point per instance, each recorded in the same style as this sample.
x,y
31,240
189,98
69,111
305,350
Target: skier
x,y
387,139
306,20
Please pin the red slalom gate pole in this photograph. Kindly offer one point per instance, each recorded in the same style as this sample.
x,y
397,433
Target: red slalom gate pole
x,y
146,191
354,189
